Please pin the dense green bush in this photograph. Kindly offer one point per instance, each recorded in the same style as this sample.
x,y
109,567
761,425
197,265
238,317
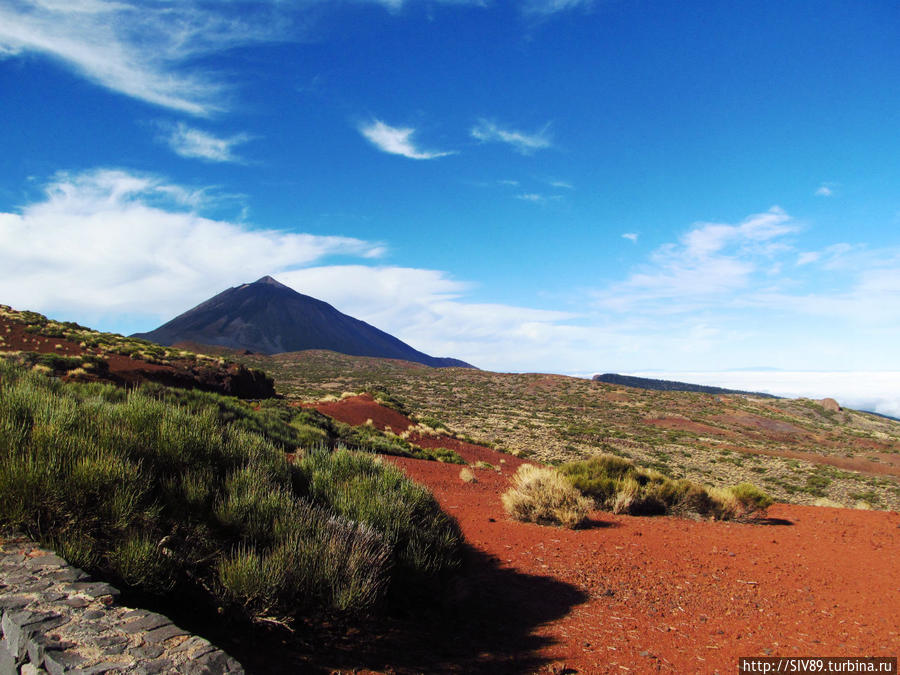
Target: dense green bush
x,y
362,488
750,498
168,494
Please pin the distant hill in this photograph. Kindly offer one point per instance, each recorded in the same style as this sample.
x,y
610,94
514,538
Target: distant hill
x,y
270,318
887,417
669,385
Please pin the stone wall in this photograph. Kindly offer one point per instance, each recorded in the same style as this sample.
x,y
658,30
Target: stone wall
x,y
55,620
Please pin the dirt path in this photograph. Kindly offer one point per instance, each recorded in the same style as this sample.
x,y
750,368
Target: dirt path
x,y
632,594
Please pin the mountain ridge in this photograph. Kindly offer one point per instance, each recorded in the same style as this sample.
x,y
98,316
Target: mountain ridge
x,y
671,385
269,317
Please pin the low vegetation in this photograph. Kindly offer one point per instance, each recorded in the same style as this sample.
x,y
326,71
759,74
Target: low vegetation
x,y
189,495
466,475
618,485
542,495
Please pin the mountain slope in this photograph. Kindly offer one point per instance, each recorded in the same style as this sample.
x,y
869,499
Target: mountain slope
x,y
270,318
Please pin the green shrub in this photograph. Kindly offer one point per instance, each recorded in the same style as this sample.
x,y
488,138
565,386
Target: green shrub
x,y
751,499
360,487
445,455
432,422
155,491
618,485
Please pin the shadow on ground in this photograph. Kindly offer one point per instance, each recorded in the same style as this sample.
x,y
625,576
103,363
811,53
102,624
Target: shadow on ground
x,y
770,521
489,627
596,523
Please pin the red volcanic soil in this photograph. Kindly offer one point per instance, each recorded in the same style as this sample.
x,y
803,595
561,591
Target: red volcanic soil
x,y
357,410
679,423
629,594
122,368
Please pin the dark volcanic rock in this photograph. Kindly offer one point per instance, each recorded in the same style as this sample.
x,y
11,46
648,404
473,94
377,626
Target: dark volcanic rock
x,y
270,318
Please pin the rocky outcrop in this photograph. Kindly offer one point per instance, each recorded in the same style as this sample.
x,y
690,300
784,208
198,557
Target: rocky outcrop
x,y
830,405
56,620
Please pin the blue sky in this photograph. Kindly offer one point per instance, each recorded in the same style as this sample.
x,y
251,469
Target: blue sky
x,y
546,185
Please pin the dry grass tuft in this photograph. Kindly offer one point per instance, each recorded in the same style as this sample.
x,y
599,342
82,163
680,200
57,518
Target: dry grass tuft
x,y
627,490
725,504
824,501
466,475
541,495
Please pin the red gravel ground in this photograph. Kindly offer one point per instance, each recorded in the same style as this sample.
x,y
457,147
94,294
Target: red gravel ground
x,y
629,594
122,367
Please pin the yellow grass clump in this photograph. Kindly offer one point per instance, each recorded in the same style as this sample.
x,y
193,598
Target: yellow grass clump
x,y
541,495
725,504
466,475
825,501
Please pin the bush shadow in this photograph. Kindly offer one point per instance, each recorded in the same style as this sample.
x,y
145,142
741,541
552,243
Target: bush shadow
x,y
484,623
770,521
598,524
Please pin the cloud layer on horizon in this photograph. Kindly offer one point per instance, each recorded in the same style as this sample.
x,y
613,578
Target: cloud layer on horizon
x,y
873,391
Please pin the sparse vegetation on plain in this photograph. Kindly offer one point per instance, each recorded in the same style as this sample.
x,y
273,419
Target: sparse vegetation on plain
x,y
776,443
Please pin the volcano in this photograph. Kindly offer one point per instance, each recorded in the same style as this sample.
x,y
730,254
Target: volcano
x,y
271,318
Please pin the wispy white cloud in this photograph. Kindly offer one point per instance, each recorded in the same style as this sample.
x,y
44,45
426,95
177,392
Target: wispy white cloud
x,y
825,190
545,7
630,236
111,241
533,197
397,140
711,259
539,198
562,185
395,5
525,143
732,295
142,50
149,49
198,144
